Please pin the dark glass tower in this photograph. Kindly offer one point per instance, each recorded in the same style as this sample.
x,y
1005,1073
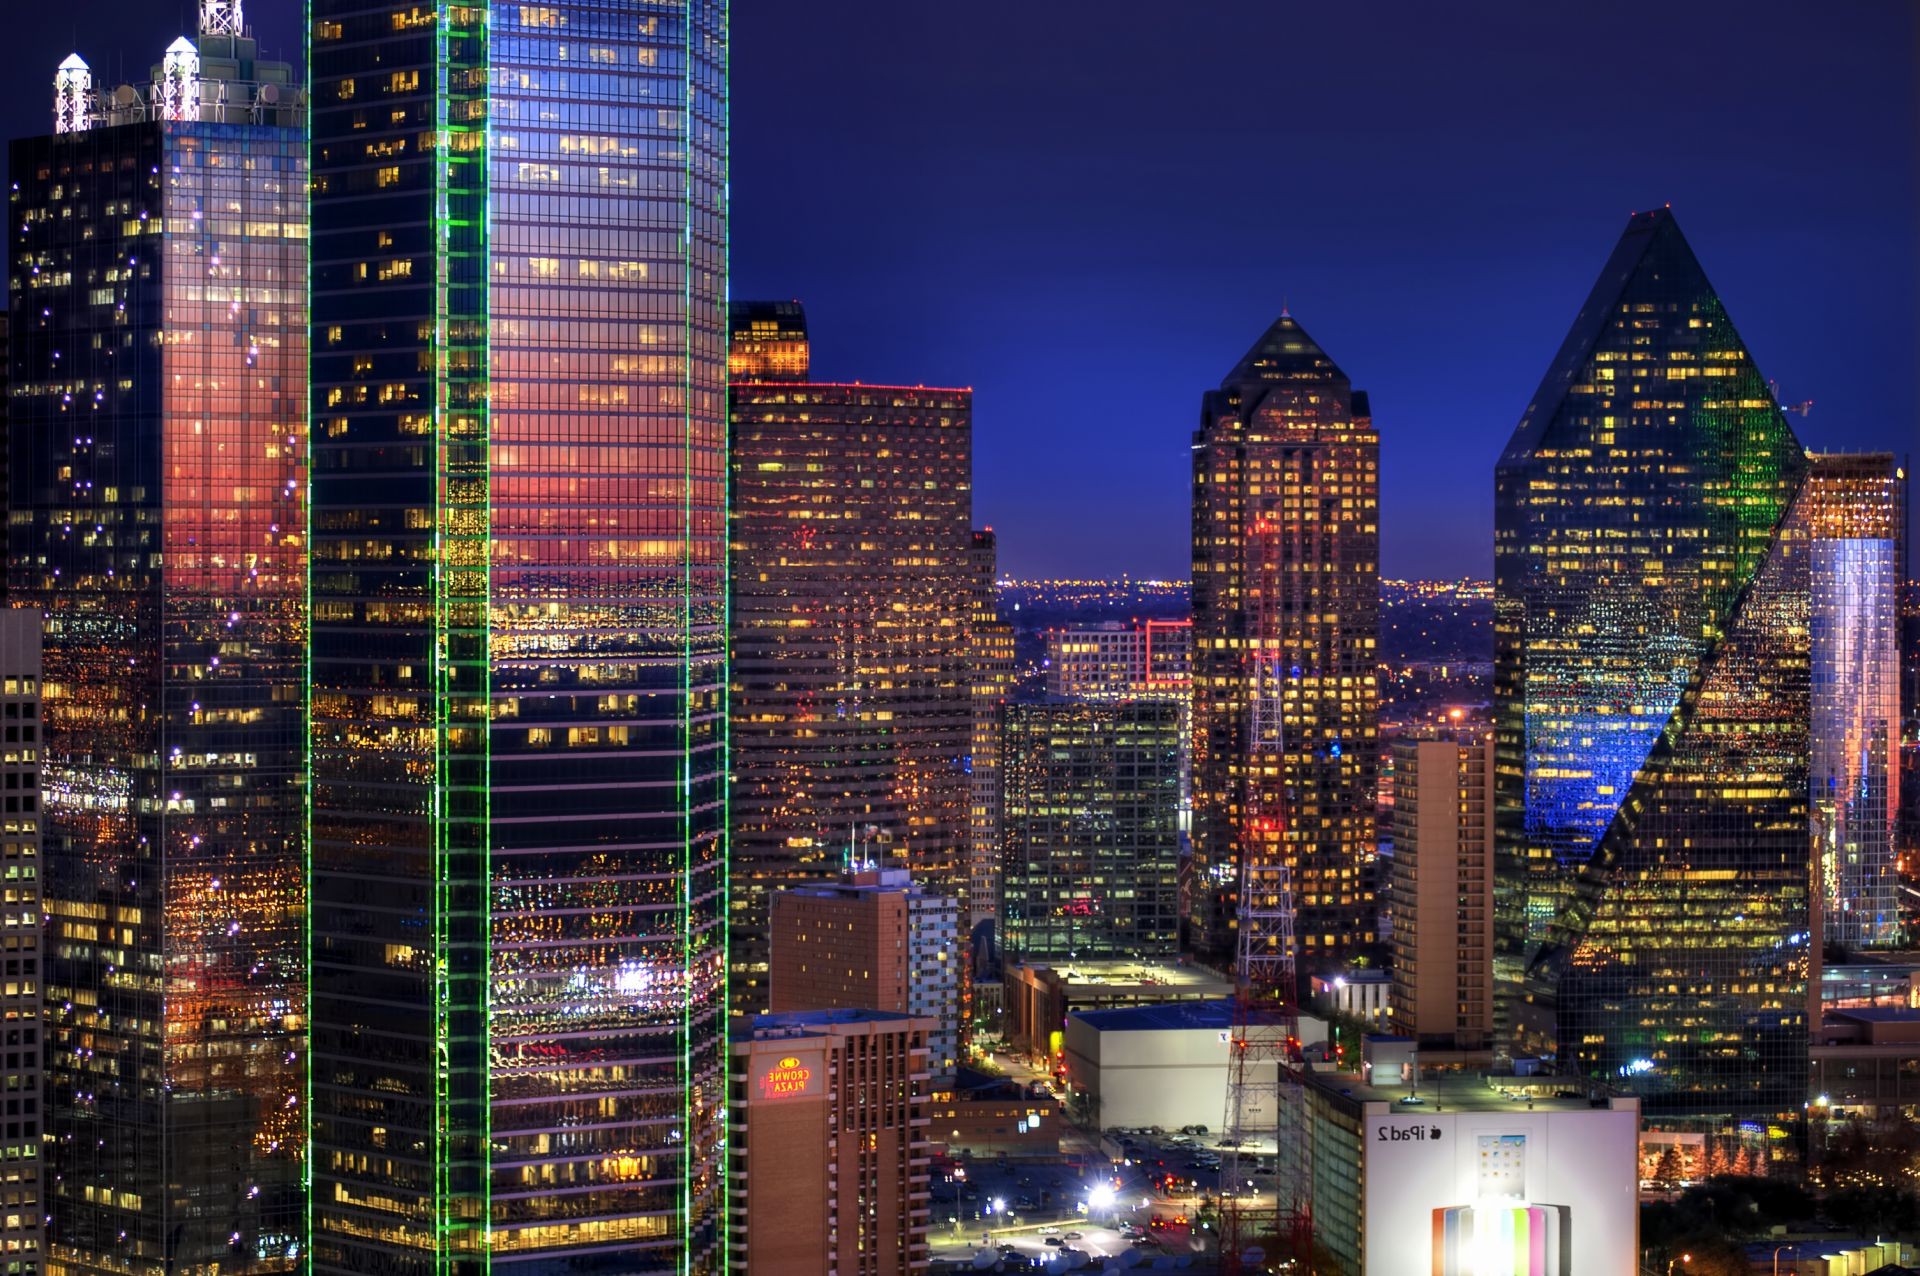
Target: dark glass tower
x,y
1286,624
519,648
155,481
1090,830
1652,692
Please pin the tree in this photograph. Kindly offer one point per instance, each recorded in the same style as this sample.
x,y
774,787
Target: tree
x,y
1666,1171
1719,1164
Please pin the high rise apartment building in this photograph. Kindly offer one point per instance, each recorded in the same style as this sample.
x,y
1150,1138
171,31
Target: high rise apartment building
x,y
828,1156
871,940
852,681
1090,836
519,648
1286,620
1688,701
155,493
991,642
23,1205
1441,892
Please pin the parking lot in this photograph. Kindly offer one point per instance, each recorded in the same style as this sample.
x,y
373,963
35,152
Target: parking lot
x,y
1148,1199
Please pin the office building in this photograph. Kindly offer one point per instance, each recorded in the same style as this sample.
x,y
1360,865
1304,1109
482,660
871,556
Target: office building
x,y
871,940
158,333
767,341
1137,660
1116,660
1090,837
1286,621
1858,504
852,680
991,641
23,1205
828,1158
1040,996
1441,892
519,648
1664,549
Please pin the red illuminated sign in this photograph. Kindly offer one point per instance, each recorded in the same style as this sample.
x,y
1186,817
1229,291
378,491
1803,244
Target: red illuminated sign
x,y
786,1079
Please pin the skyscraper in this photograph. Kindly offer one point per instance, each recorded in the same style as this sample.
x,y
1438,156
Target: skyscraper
x,y
990,641
1661,540
1286,621
519,652
23,1205
767,341
1858,520
1090,836
852,680
155,483
1442,892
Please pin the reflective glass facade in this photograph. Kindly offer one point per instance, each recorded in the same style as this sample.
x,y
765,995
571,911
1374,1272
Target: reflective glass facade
x,y
1652,702
519,650
991,641
852,692
23,1206
157,466
1859,515
1286,624
1090,832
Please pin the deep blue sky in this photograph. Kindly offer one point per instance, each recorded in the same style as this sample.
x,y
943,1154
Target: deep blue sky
x,y
1088,209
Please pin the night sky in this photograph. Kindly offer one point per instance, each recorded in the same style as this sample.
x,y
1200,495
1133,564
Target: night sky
x,y
1088,209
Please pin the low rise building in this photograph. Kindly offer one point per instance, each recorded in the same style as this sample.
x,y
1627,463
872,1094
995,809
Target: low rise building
x,y
1040,997
1865,1062
1156,1065
991,1116
1417,1178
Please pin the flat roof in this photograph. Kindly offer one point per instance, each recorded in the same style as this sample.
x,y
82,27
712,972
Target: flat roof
x,y
1132,974
1161,1016
1441,1091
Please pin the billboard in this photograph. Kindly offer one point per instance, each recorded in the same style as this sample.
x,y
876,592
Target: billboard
x,y
1507,1193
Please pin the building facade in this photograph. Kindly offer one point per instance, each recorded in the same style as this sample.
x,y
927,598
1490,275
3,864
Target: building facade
x,y
767,341
852,681
1441,892
1286,621
1090,836
1670,566
1859,521
991,641
829,1160
23,1204
872,940
518,664
156,477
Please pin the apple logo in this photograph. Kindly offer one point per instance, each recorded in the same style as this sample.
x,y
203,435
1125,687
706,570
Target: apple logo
x,y
1436,1134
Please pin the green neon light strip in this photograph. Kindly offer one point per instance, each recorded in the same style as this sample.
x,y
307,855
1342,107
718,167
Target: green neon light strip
x,y
462,659
722,1183
306,703
688,1141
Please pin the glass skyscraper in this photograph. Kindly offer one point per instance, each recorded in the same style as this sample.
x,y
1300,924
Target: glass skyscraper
x,y
518,666
155,492
1661,540
1286,626
1090,830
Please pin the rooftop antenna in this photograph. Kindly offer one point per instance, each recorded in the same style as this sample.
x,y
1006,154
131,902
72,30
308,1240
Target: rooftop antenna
x,y
221,17
72,86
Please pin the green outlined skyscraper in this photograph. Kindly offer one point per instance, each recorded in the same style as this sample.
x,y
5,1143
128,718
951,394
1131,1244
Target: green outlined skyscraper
x,y
518,659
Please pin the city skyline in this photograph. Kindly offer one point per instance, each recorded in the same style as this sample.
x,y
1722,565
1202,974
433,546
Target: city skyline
x,y
1496,235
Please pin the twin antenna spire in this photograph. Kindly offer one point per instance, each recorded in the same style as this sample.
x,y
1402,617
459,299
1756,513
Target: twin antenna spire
x,y
176,93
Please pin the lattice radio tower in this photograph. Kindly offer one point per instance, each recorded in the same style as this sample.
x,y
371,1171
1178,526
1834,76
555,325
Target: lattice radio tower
x,y
1265,1105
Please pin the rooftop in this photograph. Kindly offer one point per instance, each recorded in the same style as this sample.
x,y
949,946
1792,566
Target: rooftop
x,y
1133,974
1441,1091
1160,1016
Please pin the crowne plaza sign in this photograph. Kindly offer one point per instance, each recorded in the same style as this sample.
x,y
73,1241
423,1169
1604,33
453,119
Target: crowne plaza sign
x,y
789,1078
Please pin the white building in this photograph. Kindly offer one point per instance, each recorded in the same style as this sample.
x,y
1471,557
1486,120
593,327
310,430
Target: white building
x,y
1163,1064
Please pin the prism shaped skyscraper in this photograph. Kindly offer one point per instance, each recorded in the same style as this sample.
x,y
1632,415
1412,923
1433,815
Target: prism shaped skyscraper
x,y
1658,534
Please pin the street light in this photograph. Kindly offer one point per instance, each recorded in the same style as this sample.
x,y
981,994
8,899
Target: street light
x,y
1685,1260
1776,1257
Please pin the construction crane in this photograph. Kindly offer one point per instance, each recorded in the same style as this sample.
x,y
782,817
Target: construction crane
x,y
1265,1104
